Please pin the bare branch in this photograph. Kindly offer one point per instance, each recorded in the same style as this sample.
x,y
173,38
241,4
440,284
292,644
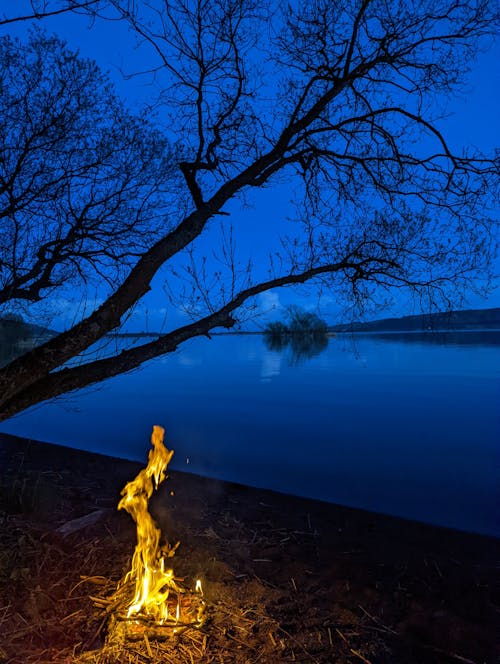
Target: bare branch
x,y
42,10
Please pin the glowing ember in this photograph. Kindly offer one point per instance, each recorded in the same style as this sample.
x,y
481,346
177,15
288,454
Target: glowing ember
x,y
157,597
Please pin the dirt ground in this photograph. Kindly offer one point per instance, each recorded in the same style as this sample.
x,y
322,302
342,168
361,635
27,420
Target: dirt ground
x,y
285,579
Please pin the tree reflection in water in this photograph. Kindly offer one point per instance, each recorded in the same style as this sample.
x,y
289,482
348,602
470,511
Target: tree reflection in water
x,y
299,347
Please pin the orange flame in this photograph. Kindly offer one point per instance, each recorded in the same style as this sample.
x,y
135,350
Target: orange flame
x,y
153,582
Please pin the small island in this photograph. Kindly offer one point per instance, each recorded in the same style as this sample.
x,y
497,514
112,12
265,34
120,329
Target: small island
x,y
304,333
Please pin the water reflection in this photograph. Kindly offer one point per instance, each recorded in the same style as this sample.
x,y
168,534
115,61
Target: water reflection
x,y
271,366
439,338
297,347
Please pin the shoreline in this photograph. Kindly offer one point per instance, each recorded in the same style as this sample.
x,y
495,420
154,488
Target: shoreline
x,y
8,440
395,590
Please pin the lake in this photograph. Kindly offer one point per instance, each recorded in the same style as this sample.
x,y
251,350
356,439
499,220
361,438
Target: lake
x,y
404,424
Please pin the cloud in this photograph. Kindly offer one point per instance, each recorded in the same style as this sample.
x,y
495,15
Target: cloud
x,y
269,301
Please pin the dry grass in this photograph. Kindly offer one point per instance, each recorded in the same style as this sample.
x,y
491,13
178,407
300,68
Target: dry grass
x,y
57,616
285,580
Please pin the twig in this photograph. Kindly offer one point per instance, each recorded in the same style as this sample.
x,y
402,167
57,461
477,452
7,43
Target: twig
x,y
451,655
312,659
378,622
341,635
148,647
358,654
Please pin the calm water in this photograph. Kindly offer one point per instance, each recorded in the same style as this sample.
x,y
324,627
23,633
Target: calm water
x,y
401,424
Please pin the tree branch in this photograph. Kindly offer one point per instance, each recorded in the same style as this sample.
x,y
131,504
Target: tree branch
x,y
73,5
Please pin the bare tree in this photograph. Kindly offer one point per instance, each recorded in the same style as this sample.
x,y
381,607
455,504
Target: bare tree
x,y
341,99
82,182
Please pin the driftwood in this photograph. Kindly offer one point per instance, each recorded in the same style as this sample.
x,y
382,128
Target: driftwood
x,y
75,525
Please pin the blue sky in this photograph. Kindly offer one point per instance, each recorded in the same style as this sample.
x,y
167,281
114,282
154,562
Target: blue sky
x,y
473,120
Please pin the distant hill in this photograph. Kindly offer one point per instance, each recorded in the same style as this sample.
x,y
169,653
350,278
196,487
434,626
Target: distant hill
x,y
15,330
470,319
18,337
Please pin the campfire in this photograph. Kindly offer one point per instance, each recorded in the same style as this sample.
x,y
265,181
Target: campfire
x,y
149,599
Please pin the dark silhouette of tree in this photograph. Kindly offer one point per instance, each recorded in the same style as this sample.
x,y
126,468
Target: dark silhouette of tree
x,y
305,322
80,178
300,323
340,98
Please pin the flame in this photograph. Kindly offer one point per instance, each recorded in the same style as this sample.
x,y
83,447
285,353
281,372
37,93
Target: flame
x,y
156,594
